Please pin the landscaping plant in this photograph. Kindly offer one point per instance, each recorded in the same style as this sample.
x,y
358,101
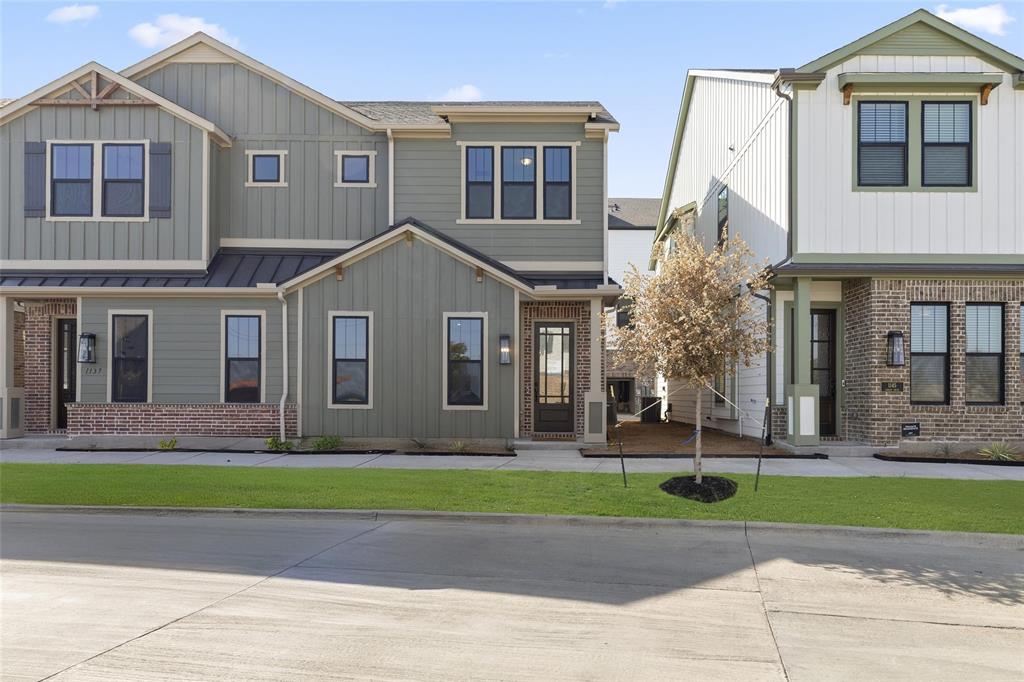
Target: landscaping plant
x,y
169,444
695,318
277,445
999,452
325,443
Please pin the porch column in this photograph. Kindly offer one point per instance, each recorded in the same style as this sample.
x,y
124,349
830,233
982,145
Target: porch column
x,y
802,404
595,414
11,396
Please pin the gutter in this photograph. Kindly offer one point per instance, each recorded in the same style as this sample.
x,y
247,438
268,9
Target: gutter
x,y
284,363
777,89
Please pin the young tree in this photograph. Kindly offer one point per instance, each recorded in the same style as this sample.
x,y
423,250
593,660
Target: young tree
x,y
696,318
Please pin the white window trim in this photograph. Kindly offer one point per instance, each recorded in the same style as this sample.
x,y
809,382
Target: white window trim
x,y
497,219
110,351
282,155
725,410
444,361
368,314
340,154
262,314
97,183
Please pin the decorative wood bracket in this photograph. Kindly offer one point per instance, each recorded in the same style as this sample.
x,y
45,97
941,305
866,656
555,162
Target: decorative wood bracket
x,y
408,238
93,97
339,272
847,93
986,90
479,274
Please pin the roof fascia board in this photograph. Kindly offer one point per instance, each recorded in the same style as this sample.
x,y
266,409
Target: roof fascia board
x,y
998,54
752,76
155,292
153,62
516,117
24,105
673,160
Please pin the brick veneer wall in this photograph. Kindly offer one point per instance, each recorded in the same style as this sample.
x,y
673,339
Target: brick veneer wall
x,y
18,350
218,419
38,358
876,306
562,311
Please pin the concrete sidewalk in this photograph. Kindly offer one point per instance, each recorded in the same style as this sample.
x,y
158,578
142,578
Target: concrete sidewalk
x,y
530,460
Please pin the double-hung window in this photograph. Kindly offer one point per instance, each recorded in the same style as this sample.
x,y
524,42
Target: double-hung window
x,y
882,144
480,182
123,180
983,368
242,358
946,144
518,183
351,343
723,215
557,183
129,372
71,180
465,357
929,353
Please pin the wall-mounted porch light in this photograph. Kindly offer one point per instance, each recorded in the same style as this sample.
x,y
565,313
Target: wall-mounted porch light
x,y
87,347
894,354
504,350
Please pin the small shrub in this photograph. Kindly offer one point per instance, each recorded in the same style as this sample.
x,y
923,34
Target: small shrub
x,y
459,446
169,444
999,452
327,443
277,445
420,444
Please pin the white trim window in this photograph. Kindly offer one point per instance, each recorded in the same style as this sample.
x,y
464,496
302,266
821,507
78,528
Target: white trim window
x,y
97,180
464,380
243,352
350,359
531,183
130,356
355,168
266,167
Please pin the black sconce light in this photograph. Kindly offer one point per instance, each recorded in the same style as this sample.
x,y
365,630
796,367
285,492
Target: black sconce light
x,y
895,354
87,347
504,350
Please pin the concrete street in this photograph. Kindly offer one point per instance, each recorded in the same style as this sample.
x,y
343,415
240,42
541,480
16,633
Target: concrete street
x,y
533,460
270,597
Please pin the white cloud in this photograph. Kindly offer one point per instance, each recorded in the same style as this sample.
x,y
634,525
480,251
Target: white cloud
x,y
989,18
463,93
70,13
170,28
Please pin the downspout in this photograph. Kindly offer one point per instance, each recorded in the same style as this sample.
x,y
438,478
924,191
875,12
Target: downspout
x,y
284,363
777,89
391,178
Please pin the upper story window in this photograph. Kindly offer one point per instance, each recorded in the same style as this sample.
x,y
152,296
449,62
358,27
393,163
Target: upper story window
x,y
557,183
723,215
519,183
946,144
882,144
479,182
71,180
123,180
266,168
356,168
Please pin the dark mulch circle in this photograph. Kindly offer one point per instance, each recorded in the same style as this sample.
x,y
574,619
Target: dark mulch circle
x,y
712,489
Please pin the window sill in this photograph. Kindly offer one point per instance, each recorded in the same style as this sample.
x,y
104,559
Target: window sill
x,y
333,406
465,408
266,184
359,185
97,219
924,189
496,221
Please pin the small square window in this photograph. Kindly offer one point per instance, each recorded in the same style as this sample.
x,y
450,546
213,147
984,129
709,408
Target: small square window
x,y
267,168
355,168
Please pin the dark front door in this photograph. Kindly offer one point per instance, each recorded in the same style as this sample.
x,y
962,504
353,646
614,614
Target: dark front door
x,y
67,331
823,367
553,378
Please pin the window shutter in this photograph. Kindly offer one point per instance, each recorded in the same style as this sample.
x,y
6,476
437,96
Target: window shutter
x,y
35,179
159,179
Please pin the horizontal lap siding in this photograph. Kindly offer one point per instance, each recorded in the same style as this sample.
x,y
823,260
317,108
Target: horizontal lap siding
x,y
427,186
259,114
186,346
179,237
408,288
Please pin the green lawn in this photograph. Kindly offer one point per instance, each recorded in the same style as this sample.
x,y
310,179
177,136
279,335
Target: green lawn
x,y
990,506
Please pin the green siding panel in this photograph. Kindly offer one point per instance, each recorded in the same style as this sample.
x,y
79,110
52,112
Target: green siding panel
x,y
921,39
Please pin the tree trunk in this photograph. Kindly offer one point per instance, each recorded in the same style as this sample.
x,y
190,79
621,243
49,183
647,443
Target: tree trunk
x,y
696,447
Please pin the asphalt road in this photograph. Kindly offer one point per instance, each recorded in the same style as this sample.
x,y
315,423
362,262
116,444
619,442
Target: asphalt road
x,y
233,597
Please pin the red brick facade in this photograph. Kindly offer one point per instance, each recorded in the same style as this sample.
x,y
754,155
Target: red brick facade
x,y
577,312
219,419
876,306
38,358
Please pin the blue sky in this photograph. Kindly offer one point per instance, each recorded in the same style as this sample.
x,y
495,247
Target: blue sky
x,y
630,55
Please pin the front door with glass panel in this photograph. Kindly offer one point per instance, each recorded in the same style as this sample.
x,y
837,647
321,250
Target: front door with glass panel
x,y
65,374
553,381
823,367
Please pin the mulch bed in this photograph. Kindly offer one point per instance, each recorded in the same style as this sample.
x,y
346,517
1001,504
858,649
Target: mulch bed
x,y
949,460
711,489
675,455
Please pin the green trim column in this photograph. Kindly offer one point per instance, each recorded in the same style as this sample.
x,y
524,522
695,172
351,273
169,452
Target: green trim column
x,y
802,401
11,398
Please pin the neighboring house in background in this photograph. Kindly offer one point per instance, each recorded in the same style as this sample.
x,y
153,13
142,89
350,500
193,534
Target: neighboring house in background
x,y
199,244
631,223
897,249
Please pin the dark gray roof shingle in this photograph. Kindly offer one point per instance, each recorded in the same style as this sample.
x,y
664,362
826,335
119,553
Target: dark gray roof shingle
x,y
633,213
